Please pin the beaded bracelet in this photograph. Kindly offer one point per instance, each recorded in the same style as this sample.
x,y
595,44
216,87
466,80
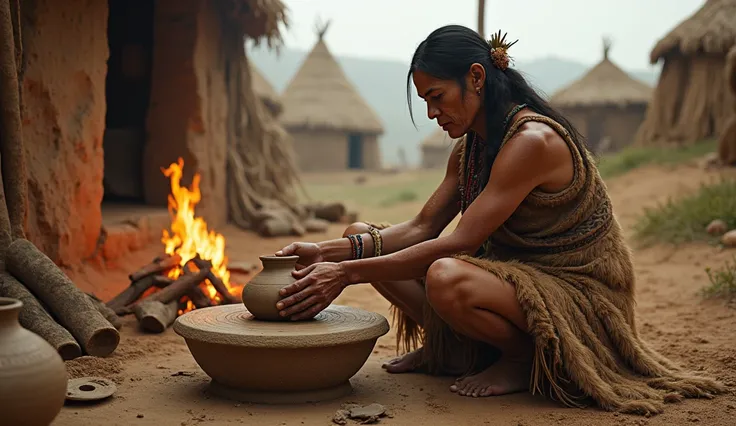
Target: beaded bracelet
x,y
356,246
377,241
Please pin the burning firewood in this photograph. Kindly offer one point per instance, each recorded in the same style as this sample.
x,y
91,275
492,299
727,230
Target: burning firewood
x,y
196,295
155,316
178,288
160,264
128,296
216,282
34,317
66,302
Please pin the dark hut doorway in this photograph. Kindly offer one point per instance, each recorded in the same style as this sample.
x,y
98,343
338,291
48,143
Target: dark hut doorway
x,y
355,151
127,91
596,131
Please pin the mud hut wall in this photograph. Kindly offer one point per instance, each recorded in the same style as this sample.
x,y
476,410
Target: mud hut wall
x,y
436,157
187,113
371,153
320,150
66,51
621,124
690,102
578,118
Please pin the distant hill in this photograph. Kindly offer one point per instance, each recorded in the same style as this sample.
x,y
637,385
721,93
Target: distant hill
x,y
383,84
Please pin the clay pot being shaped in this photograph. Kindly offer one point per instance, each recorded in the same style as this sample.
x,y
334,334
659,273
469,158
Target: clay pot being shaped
x,y
261,294
32,374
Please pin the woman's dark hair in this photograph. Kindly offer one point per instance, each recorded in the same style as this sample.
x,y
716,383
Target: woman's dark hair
x,y
447,54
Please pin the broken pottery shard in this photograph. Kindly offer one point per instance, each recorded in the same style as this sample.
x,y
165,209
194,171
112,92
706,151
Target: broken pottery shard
x,y
369,414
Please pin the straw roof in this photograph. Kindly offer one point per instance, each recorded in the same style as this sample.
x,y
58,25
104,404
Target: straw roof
x,y
321,97
437,139
264,90
256,19
604,84
710,30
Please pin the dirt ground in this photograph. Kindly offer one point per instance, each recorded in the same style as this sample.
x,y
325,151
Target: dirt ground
x,y
159,382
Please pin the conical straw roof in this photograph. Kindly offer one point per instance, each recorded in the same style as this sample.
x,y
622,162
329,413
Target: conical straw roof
x,y
604,84
710,30
321,97
264,90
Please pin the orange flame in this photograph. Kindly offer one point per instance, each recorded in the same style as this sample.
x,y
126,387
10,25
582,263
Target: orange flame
x,y
189,236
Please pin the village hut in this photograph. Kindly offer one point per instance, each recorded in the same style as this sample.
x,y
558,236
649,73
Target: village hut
x,y
606,104
113,91
332,125
691,101
265,91
727,140
436,149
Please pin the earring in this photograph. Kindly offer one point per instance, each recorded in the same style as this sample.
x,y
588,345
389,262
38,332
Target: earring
x,y
477,91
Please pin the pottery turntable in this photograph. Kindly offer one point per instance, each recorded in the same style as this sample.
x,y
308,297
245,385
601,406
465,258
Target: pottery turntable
x,y
253,355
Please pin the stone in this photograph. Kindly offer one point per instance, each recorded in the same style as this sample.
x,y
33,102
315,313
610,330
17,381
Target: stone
x,y
716,227
729,238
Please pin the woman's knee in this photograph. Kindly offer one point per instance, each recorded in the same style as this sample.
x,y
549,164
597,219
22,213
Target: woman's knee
x,y
443,284
356,228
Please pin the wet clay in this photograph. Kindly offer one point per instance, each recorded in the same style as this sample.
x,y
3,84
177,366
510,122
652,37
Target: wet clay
x,y
261,294
32,374
280,362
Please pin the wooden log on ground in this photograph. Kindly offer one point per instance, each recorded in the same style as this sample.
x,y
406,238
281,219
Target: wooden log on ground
x,y
154,316
178,288
13,159
274,228
106,312
216,282
331,212
34,317
159,264
67,303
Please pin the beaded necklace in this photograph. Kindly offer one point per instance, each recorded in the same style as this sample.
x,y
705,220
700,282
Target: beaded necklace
x,y
476,161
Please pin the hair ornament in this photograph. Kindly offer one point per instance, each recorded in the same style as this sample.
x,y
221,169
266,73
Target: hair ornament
x,y
499,50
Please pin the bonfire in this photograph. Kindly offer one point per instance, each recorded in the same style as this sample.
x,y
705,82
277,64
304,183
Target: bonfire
x,y
191,272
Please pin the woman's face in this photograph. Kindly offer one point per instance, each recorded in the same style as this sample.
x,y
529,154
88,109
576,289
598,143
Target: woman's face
x,y
454,112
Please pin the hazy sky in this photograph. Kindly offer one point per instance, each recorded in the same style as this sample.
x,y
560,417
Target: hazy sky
x,y
571,29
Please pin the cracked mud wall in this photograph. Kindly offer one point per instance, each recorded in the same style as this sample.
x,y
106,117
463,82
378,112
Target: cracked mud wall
x,y
65,47
188,110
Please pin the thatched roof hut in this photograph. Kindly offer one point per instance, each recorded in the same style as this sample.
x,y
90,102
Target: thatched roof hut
x,y
690,102
606,104
727,139
265,91
333,127
436,149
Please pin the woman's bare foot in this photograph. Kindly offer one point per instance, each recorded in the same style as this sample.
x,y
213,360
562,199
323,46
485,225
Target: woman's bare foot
x,y
405,363
507,375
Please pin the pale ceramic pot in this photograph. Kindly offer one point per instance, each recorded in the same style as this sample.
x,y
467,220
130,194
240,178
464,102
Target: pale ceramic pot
x,y
32,374
261,294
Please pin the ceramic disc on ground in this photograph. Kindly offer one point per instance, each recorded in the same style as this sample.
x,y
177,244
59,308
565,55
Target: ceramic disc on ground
x,y
234,325
89,389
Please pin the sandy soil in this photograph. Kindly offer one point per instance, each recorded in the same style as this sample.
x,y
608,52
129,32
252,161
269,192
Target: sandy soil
x,y
160,383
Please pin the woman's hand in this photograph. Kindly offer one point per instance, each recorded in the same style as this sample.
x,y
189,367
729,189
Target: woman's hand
x,y
309,254
316,287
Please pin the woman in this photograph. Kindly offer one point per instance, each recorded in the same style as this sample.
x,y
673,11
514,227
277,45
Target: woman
x,y
534,289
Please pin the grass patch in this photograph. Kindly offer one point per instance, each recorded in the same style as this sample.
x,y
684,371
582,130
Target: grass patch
x,y
685,219
722,282
634,157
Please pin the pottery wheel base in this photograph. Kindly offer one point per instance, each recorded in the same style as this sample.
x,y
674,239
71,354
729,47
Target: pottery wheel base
x,y
266,397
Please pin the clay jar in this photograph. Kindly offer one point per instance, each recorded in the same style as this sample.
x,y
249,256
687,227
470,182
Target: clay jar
x,y
261,294
32,374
